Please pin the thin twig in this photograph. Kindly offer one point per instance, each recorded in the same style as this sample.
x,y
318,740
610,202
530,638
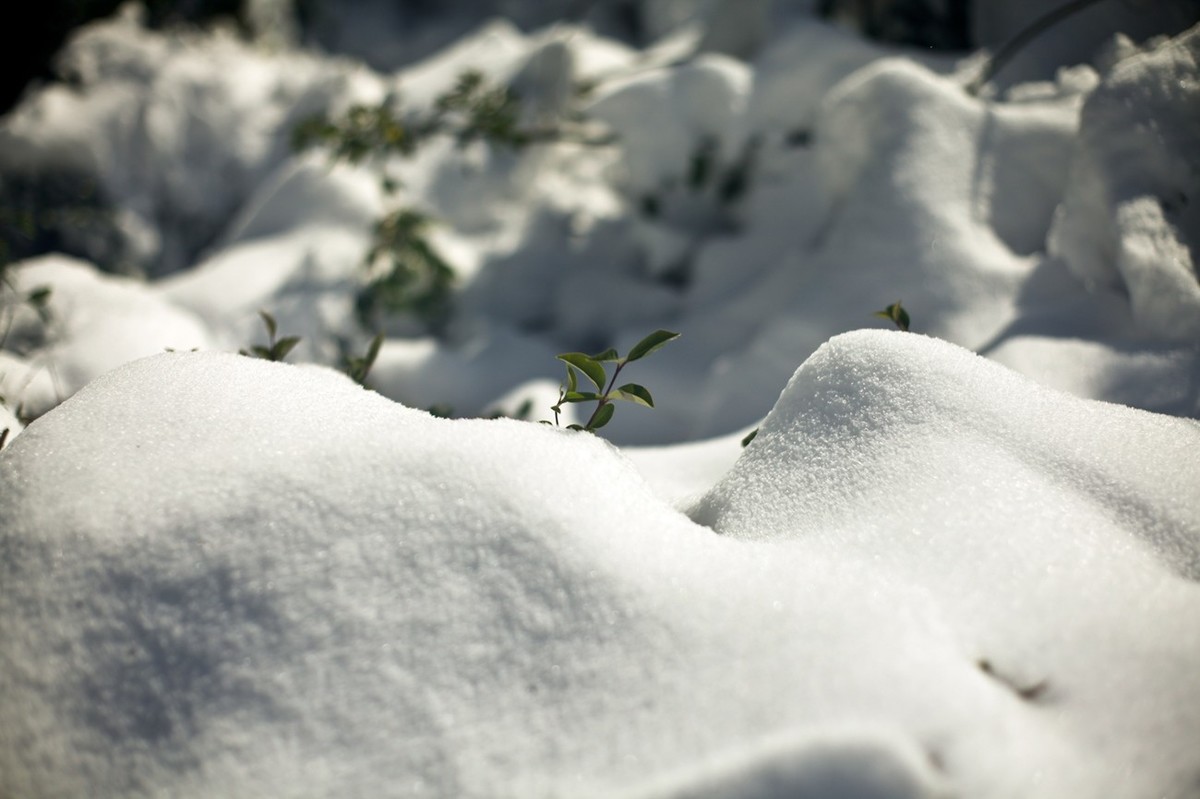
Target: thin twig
x,y
1031,31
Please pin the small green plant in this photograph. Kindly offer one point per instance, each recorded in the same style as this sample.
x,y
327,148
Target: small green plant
x,y
405,272
440,410
276,349
896,314
364,131
357,369
476,110
607,392
520,413
408,275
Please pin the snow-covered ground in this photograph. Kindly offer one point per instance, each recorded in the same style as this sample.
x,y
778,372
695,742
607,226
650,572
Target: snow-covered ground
x,y
961,561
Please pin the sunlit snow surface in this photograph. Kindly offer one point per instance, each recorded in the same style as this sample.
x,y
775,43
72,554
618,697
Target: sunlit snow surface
x,y
931,574
228,577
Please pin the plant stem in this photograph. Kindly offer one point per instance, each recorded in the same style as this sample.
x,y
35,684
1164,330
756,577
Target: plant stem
x,y
1022,38
604,398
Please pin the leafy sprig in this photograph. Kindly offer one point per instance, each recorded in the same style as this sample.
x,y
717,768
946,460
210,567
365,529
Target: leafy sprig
x,y
593,368
276,350
896,314
358,369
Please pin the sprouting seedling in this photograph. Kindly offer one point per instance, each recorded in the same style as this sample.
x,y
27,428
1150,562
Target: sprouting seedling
x,y
275,350
359,368
607,392
896,314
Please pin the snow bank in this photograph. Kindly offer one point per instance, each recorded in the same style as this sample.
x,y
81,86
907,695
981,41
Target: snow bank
x,y
1130,217
97,322
176,129
757,207
10,425
27,384
928,577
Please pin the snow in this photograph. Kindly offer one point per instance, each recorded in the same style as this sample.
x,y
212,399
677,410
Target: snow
x,y
314,589
97,321
1127,217
959,561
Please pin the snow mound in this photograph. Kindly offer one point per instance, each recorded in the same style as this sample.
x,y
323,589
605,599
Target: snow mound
x,y
873,402
294,587
177,130
1131,214
27,384
97,323
664,115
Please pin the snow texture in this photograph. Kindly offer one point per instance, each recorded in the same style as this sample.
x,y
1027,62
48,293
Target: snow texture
x,y
921,576
1130,217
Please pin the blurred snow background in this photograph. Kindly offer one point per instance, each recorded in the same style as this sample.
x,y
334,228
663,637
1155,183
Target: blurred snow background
x,y
934,576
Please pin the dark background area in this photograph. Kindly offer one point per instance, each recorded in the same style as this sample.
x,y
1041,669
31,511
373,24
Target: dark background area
x,y
47,24
925,23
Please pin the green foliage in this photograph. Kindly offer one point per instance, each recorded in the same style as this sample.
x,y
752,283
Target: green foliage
x,y
474,110
593,367
521,413
896,314
364,131
275,350
753,434
358,369
408,274
3,437
441,411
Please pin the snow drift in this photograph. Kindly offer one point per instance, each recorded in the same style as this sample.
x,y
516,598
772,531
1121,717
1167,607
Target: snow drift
x,y
927,576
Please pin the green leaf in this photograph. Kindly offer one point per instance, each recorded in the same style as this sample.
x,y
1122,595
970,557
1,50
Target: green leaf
x,y
649,344
635,393
593,369
602,416
896,314
750,437
372,353
572,379
440,410
269,321
581,396
261,352
283,347
575,427
608,355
